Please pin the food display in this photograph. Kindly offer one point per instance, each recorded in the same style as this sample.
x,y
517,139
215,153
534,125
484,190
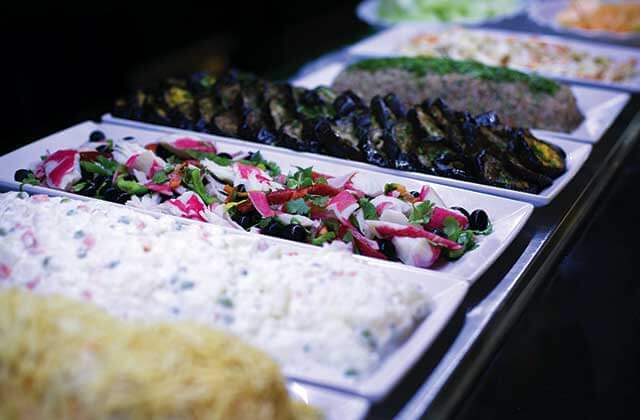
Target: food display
x,y
519,99
322,309
188,177
429,138
529,53
596,15
445,10
66,359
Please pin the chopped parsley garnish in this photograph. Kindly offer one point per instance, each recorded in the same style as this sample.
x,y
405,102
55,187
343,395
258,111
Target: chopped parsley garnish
x,y
301,178
256,159
297,206
348,237
421,213
368,209
454,232
318,200
160,177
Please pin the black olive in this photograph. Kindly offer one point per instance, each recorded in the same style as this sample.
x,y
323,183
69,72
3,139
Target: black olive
x,y
416,194
461,210
111,194
89,189
295,233
388,249
163,153
102,148
273,229
247,220
225,155
21,174
241,188
439,232
123,197
128,138
478,220
96,136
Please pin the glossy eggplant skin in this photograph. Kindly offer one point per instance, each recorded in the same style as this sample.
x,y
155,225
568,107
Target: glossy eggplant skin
x,y
539,156
429,138
339,138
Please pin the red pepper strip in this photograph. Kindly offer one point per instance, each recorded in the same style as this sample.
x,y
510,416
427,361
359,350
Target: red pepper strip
x,y
300,193
89,155
324,189
151,146
315,175
279,197
245,207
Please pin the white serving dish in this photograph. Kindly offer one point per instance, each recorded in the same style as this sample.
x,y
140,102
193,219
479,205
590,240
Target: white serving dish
x,y
388,43
445,289
544,13
367,11
508,216
577,154
332,404
599,106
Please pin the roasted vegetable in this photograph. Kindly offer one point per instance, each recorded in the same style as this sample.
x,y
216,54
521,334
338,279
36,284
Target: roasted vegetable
x,y
429,138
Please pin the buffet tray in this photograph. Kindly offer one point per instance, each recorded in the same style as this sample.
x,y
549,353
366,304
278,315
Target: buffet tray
x,y
386,43
508,216
333,405
600,107
577,154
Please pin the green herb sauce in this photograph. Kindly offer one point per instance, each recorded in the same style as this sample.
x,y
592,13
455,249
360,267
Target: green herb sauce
x,y
423,65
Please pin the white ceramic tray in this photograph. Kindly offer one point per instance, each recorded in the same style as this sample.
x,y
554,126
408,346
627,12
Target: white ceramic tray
x,y
507,216
446,293
388,42
367,10
577,154
544,13
600,107
333,405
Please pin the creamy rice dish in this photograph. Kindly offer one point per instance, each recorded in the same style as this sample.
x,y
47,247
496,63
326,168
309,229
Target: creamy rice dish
x,y
322,310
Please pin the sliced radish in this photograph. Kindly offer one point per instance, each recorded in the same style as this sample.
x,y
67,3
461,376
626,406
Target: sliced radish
x,y
260,202
387,230
394,216
364,183
62,169
343,205
180,144
439,214
417,252
188,205
223,173
393,203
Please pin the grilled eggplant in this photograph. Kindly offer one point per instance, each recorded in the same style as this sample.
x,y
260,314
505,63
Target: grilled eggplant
x,y
339,138
429,138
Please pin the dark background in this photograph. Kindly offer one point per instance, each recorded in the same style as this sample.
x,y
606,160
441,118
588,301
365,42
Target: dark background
x,y
575,352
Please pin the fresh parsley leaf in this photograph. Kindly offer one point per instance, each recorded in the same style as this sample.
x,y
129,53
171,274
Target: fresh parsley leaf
x,y
327,237
451,228
368,209
319,200
421,213
160,177
332,224
348,237
301,178
264,222
321,180
257,160
193,181
297,206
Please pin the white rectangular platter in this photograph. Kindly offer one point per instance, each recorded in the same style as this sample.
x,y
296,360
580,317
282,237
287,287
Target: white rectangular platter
x,y
445,293
577,154
389,41
600,107
507,216
333,405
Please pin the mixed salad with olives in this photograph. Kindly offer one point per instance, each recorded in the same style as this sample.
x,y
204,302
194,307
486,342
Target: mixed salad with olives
x,y
189,177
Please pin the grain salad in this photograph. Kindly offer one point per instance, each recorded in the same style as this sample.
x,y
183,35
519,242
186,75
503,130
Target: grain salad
x,y
322,310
